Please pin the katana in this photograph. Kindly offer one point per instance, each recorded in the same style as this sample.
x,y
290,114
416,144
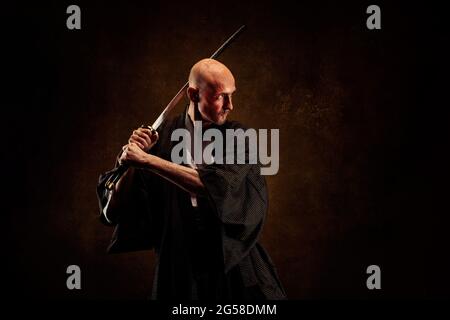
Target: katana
x,y
121,169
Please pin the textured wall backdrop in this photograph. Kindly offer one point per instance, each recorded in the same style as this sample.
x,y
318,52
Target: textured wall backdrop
x,y
344,98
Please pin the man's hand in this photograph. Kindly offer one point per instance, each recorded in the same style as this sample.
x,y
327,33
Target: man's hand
x,y
143,138
133,156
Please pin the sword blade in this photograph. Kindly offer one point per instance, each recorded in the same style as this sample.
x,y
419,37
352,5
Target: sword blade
x,y
170,106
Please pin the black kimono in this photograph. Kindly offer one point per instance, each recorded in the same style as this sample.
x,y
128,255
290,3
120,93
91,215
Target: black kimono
x,y
208,252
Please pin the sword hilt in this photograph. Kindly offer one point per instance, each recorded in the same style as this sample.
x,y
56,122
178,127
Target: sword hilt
x,y
150,128
111,182
121,169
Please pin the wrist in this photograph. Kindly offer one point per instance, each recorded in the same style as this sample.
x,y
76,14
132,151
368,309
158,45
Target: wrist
x,y
149,161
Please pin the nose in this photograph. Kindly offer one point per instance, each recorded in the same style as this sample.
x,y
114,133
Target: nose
x,y
229,103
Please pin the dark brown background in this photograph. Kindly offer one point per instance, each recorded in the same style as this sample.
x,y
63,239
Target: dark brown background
x,y
361,158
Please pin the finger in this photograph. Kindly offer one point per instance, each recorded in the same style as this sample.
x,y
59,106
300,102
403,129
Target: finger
x,y
124,149
153,134
142,131
123,157
140,135
141,146
146,131
134,145
142,143
154,139
144,135
138,144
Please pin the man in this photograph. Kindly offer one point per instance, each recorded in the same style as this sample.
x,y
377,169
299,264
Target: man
x,y
203,220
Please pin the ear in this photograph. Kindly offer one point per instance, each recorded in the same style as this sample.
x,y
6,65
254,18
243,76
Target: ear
x,y
192,93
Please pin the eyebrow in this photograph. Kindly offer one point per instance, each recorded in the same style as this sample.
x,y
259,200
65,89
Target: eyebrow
x,y
227,92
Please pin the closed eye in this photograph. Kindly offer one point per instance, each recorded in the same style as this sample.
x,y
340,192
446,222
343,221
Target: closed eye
x,y
223,95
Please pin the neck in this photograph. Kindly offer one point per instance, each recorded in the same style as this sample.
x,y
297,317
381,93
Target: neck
x,y
195,115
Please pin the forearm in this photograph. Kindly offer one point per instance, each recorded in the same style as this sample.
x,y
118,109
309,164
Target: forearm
x,y
186,178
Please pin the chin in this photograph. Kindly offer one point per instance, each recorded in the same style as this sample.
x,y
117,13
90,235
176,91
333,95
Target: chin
x,y
221,120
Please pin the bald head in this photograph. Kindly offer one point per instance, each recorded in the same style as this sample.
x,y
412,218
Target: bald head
x,y
209,73
211,85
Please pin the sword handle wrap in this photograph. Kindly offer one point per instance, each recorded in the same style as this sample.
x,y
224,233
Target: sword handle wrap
x,y
111,182
121,169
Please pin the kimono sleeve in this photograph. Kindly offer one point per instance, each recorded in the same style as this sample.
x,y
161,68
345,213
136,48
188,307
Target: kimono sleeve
x,y
134,228
238,196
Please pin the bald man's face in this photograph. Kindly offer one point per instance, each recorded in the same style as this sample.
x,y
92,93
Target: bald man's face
x,y
215,99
